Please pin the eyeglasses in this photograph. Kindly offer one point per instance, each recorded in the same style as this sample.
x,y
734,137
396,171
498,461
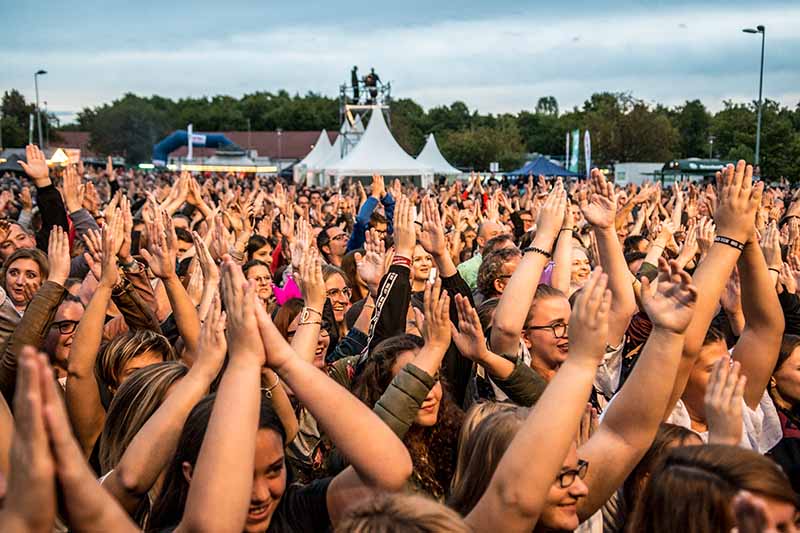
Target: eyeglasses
x,y
65,327
347,292
567,478
340,237
559,330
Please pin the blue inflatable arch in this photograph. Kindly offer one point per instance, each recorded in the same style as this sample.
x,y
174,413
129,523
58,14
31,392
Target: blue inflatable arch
x,y
179,138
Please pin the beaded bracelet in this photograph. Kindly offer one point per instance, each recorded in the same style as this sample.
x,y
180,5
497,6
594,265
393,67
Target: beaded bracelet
x,y
537,251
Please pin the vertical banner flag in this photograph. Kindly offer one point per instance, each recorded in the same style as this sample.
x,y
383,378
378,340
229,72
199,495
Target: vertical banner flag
x,y
189,130
576,148
566,154
587,152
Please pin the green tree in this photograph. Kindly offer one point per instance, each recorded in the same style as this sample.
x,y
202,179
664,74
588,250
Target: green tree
x,y
129,127
408,125
475,148
547,105
693,123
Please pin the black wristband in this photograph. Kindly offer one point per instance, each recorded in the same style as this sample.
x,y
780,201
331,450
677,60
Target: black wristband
x,y
773,269
537,251
730,242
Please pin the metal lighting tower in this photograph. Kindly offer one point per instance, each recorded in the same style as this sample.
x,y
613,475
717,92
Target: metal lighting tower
x,y
759,29
38,111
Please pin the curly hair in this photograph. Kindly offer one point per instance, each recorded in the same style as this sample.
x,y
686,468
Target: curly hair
x,y
492,268
432,449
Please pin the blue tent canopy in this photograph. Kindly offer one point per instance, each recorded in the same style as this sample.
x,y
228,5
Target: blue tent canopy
x,y
545,167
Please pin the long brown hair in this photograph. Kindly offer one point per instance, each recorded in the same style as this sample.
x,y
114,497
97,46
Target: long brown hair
x,y
666,436
432,448
692,488
481,454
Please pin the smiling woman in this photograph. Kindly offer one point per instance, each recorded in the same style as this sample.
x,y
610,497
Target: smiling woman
x,y
22,275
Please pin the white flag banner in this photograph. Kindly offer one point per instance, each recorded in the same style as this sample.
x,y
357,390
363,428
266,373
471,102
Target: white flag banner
x,y
189,136
587,152
566,154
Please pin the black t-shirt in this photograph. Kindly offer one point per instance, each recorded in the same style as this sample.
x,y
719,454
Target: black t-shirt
x,y
302,508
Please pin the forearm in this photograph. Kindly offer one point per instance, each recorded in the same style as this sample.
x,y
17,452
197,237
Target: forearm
x,y
711,276
562,262
88,335
445,263
282,405
305,340
514,304
184,312
623,302
760,304
219,494
379,457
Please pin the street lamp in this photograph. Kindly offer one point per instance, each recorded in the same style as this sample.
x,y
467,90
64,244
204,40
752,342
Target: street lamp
x,y
759,29
38,112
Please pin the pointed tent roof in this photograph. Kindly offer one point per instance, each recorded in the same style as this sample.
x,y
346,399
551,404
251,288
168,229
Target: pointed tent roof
x,y
320,150
432,157
378,152
545,167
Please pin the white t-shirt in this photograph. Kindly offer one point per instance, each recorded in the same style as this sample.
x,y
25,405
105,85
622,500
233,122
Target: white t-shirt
x,y
761,427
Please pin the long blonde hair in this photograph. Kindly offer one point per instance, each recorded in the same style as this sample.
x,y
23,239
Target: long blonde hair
x,y
396,513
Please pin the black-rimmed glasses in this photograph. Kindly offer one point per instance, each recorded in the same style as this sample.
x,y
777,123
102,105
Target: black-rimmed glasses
x,y
559,330
567,478
65,327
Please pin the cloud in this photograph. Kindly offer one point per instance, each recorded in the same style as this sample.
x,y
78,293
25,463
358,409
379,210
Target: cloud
x,y
500,63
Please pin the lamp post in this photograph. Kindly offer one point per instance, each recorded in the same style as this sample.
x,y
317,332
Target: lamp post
x,y
711,147
759,29
38,111
280,151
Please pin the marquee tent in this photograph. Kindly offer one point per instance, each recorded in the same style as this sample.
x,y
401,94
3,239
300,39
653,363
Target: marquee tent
x,y
545,167
378,153
431,156
304,170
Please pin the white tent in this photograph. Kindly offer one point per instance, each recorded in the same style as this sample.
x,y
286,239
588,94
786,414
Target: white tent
x,y
430,156
312,159
378,153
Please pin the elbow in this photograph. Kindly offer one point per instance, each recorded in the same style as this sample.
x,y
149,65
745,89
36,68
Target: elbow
x,y
393,475
519,500
130,482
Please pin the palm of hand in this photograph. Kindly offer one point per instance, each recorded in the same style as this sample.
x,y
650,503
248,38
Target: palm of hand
x,y
371,268
600,211
432,239
37,169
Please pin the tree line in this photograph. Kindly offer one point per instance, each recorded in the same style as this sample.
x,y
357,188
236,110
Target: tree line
x,y
623,128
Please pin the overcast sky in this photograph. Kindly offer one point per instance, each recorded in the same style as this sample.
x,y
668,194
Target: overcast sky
x,y
495,55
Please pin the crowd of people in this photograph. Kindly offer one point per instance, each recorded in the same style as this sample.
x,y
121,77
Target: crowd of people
x,y
235,353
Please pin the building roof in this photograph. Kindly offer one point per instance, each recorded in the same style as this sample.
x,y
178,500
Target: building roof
x,y
293,145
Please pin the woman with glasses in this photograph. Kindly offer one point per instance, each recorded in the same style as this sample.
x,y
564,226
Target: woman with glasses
x,y
338,293
544,480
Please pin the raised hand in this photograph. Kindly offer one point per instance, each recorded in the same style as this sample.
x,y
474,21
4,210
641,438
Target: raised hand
x,y
723,402
404,233
771,246
58,256
588,322
212,345
30,503
669,301
378,186
787,279
469,338
27,202
600,208
162,250
36,166
310,281
239,296
551,215
372,265
124,253
738,202
109,276
207,265
93,241
436,307
432,236
706,231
